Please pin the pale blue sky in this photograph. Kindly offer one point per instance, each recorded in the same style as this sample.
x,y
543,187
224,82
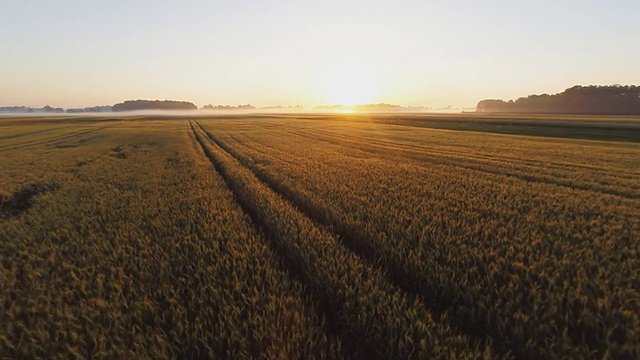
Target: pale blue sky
x,y
73,53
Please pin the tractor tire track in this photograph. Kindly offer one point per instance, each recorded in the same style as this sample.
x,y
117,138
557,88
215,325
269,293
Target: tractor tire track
x,y
55,139
478,340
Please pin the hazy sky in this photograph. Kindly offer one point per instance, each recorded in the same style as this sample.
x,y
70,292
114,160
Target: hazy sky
x,y
73,53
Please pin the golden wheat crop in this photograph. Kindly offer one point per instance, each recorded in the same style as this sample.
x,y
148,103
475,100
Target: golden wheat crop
x,y
314,237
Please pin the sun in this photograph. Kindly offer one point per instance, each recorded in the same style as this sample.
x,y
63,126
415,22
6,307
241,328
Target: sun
x,y
351,84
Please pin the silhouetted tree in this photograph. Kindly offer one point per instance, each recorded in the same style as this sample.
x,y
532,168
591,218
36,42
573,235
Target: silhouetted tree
x,y
50,109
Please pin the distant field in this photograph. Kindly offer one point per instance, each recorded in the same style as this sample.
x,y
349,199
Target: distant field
x,y
320,236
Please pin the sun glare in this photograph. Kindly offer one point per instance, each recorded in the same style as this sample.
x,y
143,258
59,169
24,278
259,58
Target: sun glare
x,y
349,85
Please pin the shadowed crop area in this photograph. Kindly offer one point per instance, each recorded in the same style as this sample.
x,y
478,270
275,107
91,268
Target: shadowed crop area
x,y
298,236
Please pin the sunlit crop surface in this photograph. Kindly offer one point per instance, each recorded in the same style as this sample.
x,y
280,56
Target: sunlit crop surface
x,y
320,236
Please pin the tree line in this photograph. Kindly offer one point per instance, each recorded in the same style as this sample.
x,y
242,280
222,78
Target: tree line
x,y
595,100
26,109
135,105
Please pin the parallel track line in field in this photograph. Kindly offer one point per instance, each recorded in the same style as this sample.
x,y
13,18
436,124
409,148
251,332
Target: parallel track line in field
x,y
453,151
356,246
245,141
444,160
333,330
471,153
480,160
55,139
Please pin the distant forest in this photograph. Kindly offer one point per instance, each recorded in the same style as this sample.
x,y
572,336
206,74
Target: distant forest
x,y
26,109
91,109
228,107
251,107
594,100
134,105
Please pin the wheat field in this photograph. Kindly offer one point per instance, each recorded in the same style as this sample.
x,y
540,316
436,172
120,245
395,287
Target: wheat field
x,y
320,236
